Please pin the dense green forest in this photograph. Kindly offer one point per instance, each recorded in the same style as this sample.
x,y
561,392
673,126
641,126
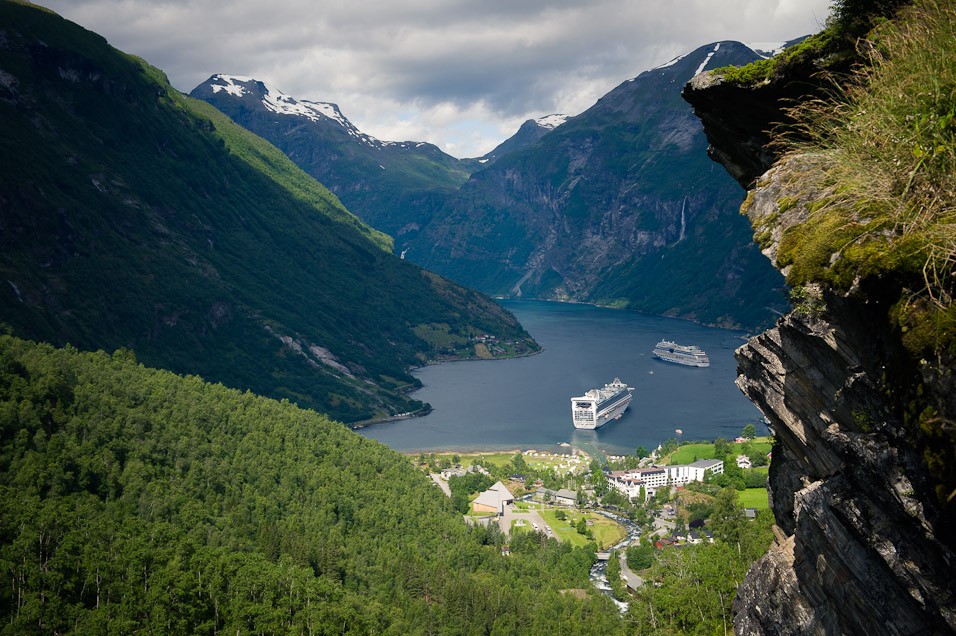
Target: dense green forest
x,y
691,589
138,501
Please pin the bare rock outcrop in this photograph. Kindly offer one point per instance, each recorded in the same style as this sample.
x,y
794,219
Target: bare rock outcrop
x,y
864,546
861,551
865,541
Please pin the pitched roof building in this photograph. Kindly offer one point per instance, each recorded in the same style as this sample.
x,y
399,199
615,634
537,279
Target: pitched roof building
x,y
495,499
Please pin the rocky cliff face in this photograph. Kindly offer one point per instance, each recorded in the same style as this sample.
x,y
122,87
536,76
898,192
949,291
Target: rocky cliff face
x,y
864,539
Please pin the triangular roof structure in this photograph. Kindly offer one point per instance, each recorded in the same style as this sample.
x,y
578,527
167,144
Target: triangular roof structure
x,y
495,497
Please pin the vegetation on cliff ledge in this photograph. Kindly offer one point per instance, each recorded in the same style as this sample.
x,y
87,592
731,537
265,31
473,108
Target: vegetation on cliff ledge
x,y
833,47
883,154
873,166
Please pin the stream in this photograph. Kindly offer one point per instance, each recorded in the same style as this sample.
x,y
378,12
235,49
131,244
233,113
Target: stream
x,y
599,569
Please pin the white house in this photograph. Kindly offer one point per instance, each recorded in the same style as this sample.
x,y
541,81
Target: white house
x,y
566,497
629,482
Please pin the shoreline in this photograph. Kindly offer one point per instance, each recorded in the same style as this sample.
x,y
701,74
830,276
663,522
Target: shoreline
x,y
422,412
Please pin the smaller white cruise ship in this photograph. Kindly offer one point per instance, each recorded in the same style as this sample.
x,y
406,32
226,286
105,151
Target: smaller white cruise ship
x,y
690,355
597,407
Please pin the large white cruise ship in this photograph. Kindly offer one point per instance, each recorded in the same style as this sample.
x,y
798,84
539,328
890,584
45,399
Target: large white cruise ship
x,y
597,407
691,355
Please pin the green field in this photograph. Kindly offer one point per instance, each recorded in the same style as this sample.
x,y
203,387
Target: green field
x,y
689,453
606,531
543,460
754,498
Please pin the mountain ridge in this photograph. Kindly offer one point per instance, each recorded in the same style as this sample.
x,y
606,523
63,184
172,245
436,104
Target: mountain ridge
x,y
390,185
133,216
532,217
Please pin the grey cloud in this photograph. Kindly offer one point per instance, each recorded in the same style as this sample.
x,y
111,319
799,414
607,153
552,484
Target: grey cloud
x,y
497,60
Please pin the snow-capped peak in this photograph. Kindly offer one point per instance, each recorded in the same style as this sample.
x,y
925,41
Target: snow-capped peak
x,y
282,104
552,121
232,84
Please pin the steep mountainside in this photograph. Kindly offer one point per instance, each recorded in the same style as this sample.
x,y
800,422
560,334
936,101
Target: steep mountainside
x,y
132,216
618,206
857,381
392,186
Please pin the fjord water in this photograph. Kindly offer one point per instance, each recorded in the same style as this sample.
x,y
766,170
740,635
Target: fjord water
x,y
525,403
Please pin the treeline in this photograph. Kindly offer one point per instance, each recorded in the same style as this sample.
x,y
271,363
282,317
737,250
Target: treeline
x,y
135,500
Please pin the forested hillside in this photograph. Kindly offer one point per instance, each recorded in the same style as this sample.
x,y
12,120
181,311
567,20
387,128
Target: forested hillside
x,y
136,500
133,216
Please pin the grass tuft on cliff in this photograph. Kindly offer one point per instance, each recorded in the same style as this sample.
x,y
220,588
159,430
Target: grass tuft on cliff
x,y
831,48
883,152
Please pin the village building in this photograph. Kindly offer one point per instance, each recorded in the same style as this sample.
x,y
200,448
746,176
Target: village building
x,y
493,500
566,497
563,497
630,482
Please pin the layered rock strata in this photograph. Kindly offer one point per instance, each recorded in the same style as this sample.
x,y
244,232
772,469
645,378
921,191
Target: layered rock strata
x,y
864,542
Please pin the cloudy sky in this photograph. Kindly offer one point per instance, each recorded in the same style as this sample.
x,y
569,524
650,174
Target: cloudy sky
x,y
462,74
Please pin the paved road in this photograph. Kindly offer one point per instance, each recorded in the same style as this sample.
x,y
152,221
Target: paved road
x,y
633,580
442,483
529,517
508,518
662,527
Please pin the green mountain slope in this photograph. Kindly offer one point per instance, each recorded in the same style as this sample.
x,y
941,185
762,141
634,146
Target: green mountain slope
x,y
133,216
138,501
393,186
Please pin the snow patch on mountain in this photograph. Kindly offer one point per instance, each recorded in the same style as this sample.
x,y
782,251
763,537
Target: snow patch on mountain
x,y
278,102
766,49
671,63
552,121
703,65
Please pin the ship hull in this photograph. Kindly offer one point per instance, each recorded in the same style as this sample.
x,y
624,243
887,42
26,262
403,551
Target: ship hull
x,y
612,414
597,407
688,362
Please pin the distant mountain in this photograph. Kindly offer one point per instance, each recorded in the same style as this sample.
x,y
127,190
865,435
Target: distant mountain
x,y
133,216
392,186
529,132
619,206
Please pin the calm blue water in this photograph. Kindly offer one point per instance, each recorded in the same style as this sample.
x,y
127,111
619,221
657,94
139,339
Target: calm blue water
x,y
526,402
